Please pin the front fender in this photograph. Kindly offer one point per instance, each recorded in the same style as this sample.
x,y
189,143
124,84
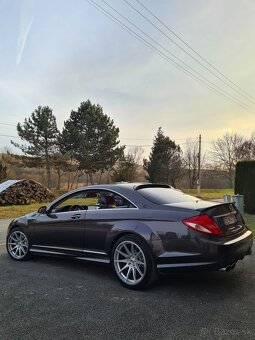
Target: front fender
x,y
24,223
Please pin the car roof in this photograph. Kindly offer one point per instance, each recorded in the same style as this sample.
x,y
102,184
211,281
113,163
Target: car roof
x,y
127,190
125,185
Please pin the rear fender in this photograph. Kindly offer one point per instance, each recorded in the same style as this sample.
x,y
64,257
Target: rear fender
x,y
138,228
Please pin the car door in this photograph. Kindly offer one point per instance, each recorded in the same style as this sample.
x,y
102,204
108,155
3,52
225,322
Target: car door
x,y
63,226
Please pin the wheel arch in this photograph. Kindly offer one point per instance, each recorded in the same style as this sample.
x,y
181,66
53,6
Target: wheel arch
x,y
16,225
122,234
138,229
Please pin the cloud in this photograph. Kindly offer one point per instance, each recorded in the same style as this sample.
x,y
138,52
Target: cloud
x,y
26,22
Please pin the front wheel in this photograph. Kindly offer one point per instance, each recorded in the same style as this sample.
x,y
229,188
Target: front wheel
x,y
18,245
133,263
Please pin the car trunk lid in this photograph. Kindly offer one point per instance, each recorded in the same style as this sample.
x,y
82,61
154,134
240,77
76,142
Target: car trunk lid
x,y
227,217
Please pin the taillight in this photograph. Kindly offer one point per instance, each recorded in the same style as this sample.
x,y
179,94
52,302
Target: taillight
x,y
204,224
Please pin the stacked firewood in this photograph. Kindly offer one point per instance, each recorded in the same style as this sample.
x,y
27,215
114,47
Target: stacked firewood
x,y
25,192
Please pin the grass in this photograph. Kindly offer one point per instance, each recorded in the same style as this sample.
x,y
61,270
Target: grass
x,y
209,194
250,221
12,211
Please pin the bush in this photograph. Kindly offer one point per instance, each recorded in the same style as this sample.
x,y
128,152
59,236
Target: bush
x,y
245,184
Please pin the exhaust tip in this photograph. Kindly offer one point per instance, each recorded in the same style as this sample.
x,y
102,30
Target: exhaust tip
x,y
229,267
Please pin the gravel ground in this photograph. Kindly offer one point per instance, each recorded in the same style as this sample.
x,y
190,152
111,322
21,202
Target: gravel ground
x,y
52,298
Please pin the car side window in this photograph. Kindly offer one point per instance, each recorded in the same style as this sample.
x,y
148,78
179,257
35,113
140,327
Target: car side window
x,y
91,200
122,202
73,202
109,200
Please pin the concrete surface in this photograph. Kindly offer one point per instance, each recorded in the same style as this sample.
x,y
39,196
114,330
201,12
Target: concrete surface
x,y
52,298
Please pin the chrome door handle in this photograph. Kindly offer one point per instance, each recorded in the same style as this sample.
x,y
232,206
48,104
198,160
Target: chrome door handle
x,y
76,216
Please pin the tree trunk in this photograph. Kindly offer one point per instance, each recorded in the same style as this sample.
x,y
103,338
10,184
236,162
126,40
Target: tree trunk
x,y
91,178
100,176
49,184
59,178
68,180
74,177
47,161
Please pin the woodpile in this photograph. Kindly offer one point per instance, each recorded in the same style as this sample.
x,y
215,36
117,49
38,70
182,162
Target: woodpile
x,y
25,192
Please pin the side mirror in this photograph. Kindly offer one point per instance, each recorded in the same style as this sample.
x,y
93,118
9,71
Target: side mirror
x,y
42,210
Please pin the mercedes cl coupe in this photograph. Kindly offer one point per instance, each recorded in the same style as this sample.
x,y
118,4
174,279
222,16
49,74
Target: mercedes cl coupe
x,y
142,230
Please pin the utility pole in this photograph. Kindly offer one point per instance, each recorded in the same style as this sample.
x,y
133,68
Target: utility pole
x,y
199,166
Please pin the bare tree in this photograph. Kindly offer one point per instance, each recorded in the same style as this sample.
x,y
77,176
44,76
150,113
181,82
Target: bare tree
x,y
227,151
190,158
137,154
126,169
246,151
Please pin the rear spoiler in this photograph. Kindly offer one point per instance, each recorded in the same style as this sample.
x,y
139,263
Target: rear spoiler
x,y
152,185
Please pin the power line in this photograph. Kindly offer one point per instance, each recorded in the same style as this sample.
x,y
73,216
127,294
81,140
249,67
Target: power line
x,y
180,47
173,55
9,136
151,138
193,50
8,124
150,145
160,53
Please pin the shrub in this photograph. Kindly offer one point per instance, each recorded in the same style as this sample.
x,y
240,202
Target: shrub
x,y
245,184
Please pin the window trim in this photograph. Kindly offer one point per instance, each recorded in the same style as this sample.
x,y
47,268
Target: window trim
x,y
66,197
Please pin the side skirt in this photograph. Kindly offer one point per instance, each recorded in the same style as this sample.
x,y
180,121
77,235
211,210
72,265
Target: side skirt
x,y
85,255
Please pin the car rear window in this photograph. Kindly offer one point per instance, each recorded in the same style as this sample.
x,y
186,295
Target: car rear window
x,y
165,195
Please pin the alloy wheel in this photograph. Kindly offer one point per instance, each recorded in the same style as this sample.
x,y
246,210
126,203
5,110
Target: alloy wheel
x,y
129,262
18,245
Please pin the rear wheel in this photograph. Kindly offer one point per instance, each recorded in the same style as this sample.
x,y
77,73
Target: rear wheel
x,y
133,263
18,245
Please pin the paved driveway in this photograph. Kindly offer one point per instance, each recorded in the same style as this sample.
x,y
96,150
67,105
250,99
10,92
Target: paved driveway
x,y
51,298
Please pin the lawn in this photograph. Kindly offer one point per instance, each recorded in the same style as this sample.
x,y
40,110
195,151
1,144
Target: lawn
x,y
250,221
11,211
210,194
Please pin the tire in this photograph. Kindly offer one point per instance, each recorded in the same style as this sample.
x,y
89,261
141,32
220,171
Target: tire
x,y
133,263
17,245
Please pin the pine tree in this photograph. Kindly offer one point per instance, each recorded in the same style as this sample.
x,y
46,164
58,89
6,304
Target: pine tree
x,y
125,170
41,134
91,138
164,164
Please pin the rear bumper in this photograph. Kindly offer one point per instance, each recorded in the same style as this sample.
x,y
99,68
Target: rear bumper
x,y
213,255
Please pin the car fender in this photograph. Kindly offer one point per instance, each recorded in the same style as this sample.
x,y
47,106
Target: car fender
x,y
138,228
24,223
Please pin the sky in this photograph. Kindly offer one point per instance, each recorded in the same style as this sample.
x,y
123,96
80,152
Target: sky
x,y
58,53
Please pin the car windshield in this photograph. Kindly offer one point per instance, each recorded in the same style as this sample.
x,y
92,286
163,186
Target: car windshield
x,y
165,195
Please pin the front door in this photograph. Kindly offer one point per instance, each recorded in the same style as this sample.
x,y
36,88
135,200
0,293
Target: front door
x,y
63,226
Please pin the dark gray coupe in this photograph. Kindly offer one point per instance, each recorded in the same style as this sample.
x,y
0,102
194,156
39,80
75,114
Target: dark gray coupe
x,y
141,229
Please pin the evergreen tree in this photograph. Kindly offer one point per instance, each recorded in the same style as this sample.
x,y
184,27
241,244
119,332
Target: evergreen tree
x,y
91,138
125,170
41,134
164,164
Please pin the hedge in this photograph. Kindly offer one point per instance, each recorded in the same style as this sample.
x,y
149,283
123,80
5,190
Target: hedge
x,y
245,184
